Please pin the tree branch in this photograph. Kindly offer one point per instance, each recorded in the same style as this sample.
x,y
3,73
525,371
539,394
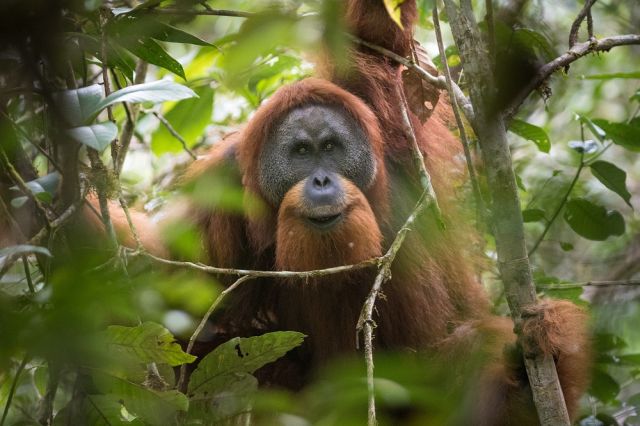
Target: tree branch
x,y
508,226
576,52
194,12
175,134
575,27
624,283
438,81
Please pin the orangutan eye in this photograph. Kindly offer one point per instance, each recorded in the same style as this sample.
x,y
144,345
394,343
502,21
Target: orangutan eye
x,y
328,146
301,149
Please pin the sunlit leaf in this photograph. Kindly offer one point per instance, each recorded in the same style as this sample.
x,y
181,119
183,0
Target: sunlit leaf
x,y
531,133
592,221
394,11
95,410
135,26
154,92
626,135
613,178
97,136
148,342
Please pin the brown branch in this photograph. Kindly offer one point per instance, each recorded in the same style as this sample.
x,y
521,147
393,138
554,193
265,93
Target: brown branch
x,y
576,52
438,81
256,273
575,27
513,263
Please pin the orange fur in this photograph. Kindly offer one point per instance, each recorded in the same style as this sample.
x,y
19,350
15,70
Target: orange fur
x,y
355,239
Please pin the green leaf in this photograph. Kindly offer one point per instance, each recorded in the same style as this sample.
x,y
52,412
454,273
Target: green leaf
x,y
595,130
233,397
533,215
592,221
154,407
531,133
21,249
241,355
394,11
146,343
613,75
155,92
603,386
150,51
189,118
626,135
133,27
566,246
613,178
79,105
95,410
97,136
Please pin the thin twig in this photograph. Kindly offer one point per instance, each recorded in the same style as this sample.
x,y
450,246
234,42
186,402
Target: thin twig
x,y
588,284
101,176
27,274
12,390
559,208
181,386
256,273
107,85
22,185
175,134
195,12
575,27
28,138
576,52
438,81
40,236
366,324
477,195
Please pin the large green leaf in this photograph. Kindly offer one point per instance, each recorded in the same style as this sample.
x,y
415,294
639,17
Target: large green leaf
x,y
150,51
626,135
146,343
154,407
241,355
612,177
603,386
97,136
155,92
531,133
533,215
79,105
189,118
593,221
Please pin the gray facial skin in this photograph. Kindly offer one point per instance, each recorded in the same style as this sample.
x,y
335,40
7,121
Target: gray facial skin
x,y
311,139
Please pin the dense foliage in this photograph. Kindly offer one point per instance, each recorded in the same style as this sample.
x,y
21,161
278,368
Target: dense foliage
x,y
98,346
